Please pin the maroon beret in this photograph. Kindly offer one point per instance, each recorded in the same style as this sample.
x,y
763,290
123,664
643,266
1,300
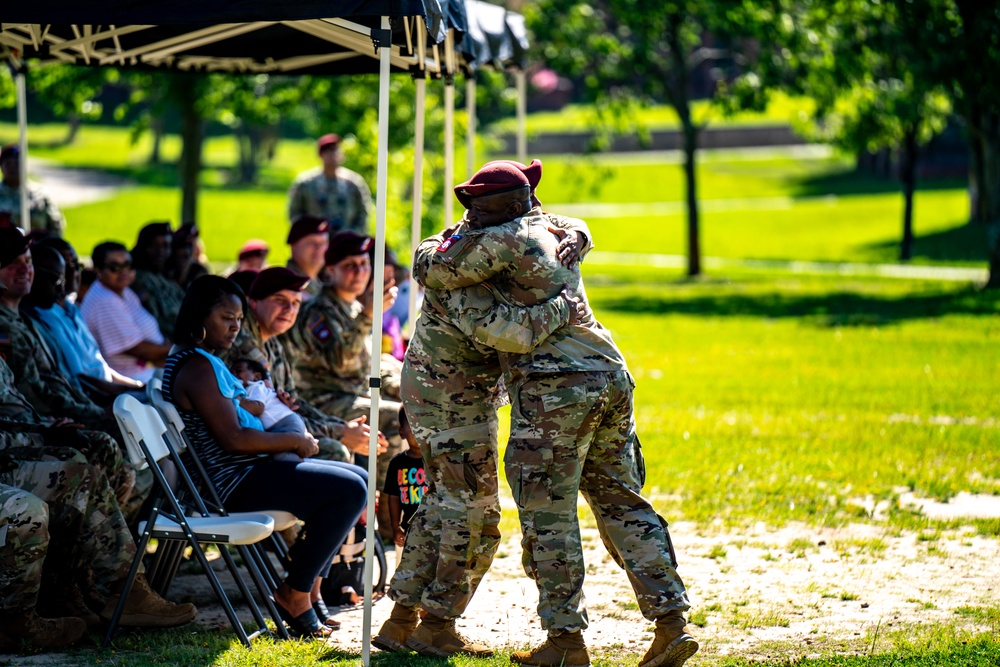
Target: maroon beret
x,y
305,226
273,280
347,244
493,178
327,140
244,278
13,244
533,172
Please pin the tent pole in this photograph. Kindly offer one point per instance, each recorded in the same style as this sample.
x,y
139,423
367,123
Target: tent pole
x,y
470,128
522,113
22,142
375,377
418,192
449,149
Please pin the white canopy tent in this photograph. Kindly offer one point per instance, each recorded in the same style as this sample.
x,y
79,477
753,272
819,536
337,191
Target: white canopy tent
x,y
245,36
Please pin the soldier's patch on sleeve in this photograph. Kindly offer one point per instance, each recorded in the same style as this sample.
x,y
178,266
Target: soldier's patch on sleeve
x,y
319,328
448,242
4,346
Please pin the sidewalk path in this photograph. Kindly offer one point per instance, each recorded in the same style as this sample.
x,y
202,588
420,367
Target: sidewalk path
x,y
70,187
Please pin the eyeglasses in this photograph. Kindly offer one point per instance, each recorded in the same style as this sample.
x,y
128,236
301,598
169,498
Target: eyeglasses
x,y
115,267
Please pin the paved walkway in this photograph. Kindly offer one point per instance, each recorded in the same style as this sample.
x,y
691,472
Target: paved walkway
x,y
70,187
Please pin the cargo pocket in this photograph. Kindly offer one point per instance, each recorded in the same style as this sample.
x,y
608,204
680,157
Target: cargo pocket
x,y
529,472
559,398
462,438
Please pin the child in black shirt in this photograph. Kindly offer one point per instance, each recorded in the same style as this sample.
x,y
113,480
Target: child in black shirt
x,y
405,482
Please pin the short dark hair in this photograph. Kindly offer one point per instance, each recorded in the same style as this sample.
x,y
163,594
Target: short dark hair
x,y
102,250
204,294
253,365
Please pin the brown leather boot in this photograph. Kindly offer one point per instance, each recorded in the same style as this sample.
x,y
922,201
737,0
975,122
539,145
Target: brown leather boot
x,y
145,609
565,650
672,645
17,627
67,601
397,629
438,637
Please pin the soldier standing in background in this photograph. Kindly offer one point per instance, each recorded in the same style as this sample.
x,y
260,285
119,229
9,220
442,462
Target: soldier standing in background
x,y
43,212
332,192
572,430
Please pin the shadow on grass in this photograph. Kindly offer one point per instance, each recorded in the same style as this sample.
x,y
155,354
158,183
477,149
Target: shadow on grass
x,y
963,243
831,309
853,182
219,177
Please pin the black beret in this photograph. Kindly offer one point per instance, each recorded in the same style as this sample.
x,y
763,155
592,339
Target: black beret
x,y
305,226
273,280
347,244
13,244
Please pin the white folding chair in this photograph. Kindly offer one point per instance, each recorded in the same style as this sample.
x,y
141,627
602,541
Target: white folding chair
x,y
163,573
143,431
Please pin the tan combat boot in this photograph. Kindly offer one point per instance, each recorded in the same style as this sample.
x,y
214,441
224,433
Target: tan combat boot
x,y
66,601
672,645
145,609
438,637
397,629
565,650
44,633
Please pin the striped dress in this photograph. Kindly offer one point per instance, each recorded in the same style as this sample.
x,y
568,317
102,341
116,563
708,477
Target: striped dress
x,y
225,470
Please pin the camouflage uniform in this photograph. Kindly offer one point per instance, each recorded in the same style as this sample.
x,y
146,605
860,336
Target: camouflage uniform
x,y
62,514
43,212
27,435
38,376
312,288
331,360
450,388
572,429
272,355
344,201
161,296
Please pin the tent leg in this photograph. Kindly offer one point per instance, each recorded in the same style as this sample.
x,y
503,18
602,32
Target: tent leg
x,y
374,379
418,190
522,115
449,150
470,128
22,128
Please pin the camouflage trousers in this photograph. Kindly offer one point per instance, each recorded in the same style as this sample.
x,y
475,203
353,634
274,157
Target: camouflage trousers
x,y
349,406
325,430
455,533
575,432
62,515
97,447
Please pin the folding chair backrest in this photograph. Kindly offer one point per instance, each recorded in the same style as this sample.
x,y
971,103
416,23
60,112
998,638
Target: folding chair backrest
x,y
140,422
168,411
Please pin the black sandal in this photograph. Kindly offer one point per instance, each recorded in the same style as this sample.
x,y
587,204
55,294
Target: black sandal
x,y
305,625
324,616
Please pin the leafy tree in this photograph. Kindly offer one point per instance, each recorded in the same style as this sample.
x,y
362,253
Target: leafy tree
x,y
628,52
845,56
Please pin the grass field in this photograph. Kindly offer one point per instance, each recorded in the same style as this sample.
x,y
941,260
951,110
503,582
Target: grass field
x,y
761,397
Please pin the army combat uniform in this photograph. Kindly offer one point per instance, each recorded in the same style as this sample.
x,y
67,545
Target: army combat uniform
x,y
450,389
27,435
313,287
161,296
43,212
331,361
572,429
63,515
272,355
344,201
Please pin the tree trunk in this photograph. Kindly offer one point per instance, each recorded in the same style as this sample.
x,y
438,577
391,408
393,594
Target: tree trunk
x,y
156,125
988,136
72,129
690,178
191,139
976,157
908,175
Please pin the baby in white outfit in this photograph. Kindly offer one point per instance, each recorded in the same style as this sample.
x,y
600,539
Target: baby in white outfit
x,y
264,402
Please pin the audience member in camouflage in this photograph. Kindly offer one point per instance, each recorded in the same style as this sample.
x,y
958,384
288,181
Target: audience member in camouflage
x,y
160,295
308,239
43,212
329,342
450,389
572,429
274,304
86,532
331,192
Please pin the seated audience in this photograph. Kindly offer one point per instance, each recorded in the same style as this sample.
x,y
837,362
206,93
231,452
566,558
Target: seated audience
x,y
309,238
158,294
58,320
65,529
35,369
127,333
187,256
328,496
253,255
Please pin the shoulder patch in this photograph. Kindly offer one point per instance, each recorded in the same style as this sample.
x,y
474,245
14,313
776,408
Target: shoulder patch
x,y
319,328
448,242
